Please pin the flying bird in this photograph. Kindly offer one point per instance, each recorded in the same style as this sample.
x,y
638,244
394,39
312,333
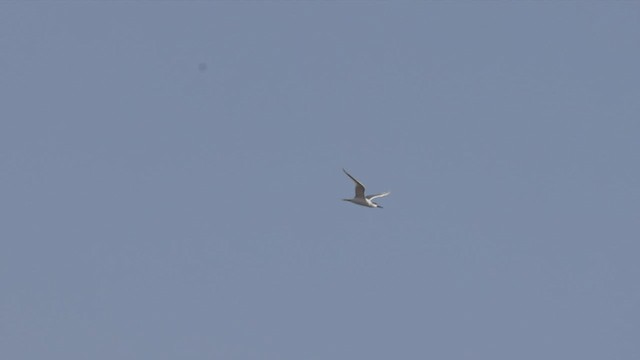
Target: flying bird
x,y
360,197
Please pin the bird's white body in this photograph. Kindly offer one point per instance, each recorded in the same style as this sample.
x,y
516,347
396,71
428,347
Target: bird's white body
x,y
360,198
364,202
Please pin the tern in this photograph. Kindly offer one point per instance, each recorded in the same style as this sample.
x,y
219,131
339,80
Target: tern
x,y
360,198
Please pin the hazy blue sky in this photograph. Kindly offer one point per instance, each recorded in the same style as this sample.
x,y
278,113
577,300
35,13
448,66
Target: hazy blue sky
x,y
171,180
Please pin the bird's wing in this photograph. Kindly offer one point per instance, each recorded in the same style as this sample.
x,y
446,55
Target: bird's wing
x,y
371,197
359,186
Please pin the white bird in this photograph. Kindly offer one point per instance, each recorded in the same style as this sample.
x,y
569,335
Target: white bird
x,y
360,198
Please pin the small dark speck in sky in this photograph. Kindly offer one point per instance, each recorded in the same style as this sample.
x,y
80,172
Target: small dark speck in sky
x,y
202,67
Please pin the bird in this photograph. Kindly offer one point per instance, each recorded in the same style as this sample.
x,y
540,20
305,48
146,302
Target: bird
x,y
360,198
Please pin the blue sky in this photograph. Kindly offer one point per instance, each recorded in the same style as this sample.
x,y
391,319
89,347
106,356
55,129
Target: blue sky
x,y
171,180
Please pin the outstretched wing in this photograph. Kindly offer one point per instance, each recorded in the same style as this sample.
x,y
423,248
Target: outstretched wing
x,y
359,186
371,197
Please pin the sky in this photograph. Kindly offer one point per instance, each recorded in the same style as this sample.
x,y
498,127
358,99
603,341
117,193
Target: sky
x,y
171,180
